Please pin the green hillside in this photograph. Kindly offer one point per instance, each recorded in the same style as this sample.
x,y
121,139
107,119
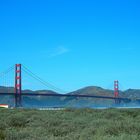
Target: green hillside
x,y
93,90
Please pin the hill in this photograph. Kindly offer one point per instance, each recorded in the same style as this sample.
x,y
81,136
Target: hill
x,y
12,90
132,93
29,101
90,90
39,101
93,90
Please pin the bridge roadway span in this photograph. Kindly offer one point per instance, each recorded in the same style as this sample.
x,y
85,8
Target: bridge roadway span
x,y
72,95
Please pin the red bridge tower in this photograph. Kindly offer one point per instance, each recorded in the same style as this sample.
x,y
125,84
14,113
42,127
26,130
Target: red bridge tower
x,y
18,85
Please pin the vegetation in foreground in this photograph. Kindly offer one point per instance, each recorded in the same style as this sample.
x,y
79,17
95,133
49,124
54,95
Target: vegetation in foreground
x,y
70,124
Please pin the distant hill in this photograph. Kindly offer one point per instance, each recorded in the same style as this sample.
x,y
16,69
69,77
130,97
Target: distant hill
x,y
12,90
132,93
6,89
89,102
29,101
93,90
90,90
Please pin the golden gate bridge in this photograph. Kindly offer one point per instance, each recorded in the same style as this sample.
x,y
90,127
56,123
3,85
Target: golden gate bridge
x,y
18,93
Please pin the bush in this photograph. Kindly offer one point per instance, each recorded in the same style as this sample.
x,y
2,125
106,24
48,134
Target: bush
x,y
70,124
18,121
2,135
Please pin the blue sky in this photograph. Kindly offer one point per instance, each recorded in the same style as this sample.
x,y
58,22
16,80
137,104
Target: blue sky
x,y
73,43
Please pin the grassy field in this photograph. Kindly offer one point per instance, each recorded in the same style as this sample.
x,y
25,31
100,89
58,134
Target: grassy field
x,y
70,124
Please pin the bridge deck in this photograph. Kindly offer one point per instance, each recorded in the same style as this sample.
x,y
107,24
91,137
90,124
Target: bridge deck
x,y
69,95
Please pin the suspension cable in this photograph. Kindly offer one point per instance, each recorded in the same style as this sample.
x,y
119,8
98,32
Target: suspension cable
x,y
7,71
47,84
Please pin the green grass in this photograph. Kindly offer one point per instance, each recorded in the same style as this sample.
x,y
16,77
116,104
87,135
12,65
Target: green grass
x,y
70,124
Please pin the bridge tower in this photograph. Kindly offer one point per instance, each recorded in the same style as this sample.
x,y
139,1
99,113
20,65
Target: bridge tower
x,y
116,90
18,85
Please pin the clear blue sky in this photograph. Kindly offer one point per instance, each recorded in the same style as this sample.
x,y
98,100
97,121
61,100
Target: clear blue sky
x,y
73,43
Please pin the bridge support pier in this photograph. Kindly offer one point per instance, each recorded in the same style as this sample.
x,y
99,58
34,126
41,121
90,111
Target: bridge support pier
x,y
18,85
